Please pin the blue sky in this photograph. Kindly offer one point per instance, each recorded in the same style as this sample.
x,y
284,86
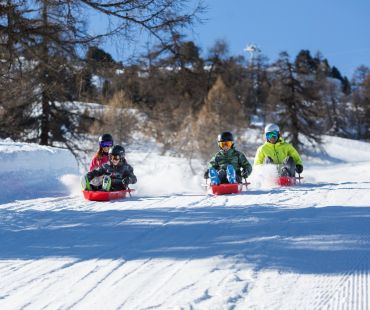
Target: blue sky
x,y
339,29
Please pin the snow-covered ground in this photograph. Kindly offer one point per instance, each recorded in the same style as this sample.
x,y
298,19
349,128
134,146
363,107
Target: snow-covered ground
x,y
171,246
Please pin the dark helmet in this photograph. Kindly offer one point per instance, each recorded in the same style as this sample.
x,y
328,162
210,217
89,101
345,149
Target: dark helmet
x,y
117,150
106,138
225,136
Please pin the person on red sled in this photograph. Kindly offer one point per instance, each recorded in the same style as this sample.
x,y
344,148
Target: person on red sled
x,y
276,151
228,165
101,157
117,173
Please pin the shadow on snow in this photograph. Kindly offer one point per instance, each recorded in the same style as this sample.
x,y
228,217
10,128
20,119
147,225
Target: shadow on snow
x,y
310,240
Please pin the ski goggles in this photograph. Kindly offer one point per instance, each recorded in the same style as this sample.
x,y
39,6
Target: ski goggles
x,y
106,143
223,144
115,157
272,134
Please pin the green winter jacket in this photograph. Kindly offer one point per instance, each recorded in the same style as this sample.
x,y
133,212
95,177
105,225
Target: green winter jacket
x,y
234,157
278,152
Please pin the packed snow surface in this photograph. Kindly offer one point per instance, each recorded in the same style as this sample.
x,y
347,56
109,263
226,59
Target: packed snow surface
x,y
172,246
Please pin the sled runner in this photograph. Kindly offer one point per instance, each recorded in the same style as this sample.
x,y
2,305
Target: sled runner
x,y
105,196
288,181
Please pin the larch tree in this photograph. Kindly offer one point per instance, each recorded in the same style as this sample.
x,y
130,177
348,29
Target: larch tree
x,y
42,40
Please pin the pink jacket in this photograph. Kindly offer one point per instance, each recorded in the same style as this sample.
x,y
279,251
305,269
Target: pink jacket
x,y
96,162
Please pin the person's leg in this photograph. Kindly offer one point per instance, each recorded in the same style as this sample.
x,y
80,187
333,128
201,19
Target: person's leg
x,y
117,185
223,176
288,167
231,174
94,185
107,183
85,184
239,179
268,160
213,175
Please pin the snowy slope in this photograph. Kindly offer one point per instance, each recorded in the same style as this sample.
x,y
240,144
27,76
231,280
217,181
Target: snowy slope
x,y
31,170
306,247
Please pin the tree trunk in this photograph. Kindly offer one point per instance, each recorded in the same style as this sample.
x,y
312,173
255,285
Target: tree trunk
x,y
45,98
45,128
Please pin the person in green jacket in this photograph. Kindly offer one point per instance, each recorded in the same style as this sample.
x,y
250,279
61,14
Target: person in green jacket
x,y
228,165
276,151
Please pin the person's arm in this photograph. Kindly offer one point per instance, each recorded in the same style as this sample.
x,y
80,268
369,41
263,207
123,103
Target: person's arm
x,y
247,167
95,173
94,163
130,177
260,157
297,159
213,163
295,155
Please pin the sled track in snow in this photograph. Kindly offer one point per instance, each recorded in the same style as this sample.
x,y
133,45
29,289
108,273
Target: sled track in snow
x,y
225,281
351,290
40,278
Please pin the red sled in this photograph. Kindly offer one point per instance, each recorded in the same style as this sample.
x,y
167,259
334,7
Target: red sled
x,y
288,181
224,189
105,196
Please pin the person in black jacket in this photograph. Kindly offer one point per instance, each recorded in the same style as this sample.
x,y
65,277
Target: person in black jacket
x,y
117,173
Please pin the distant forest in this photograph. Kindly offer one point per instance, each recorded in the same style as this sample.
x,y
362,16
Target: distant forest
x,y
185,99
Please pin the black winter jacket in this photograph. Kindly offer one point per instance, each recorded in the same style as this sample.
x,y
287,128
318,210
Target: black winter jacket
x,y
117,173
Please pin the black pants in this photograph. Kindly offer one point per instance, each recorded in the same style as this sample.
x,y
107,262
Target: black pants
x,y
288,165
223,177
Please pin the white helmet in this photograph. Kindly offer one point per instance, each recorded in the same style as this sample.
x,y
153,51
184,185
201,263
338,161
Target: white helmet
x,y
271,127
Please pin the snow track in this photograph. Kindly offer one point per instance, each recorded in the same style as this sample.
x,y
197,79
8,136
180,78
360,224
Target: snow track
x,y
304,247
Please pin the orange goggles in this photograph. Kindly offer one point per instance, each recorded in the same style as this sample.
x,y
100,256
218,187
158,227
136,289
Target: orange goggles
x,y
228,144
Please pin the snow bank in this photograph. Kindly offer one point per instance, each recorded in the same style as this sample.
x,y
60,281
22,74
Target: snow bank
x,y
347,150
338,150
30,170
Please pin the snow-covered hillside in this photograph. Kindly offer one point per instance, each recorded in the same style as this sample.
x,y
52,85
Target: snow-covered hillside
x,y
31,170
171,246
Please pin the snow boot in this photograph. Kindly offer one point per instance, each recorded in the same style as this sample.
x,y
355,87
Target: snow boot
x,y
107,183
85,184
231,174
284,172
288,168
213,175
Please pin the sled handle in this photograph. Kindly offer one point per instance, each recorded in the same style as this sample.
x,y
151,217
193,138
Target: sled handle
x,y
299,178
246,183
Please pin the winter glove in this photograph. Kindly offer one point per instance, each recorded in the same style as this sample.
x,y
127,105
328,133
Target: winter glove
x,y
129,180
299,168
245,174
126,181
206,175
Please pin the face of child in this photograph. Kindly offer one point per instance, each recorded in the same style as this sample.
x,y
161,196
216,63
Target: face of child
x,y
105,145
225,145
115,160
272,136
272,140
226,148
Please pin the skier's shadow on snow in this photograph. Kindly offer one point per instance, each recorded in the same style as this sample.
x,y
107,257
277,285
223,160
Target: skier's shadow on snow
x,y
331,239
